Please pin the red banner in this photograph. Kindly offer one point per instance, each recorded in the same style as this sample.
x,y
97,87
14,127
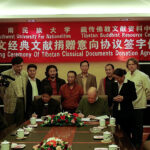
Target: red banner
x,y
75,41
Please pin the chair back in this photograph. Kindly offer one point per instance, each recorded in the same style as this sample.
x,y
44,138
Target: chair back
x,y
104,97
56,97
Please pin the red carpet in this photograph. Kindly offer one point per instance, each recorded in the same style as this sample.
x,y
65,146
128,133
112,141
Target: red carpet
x,y
146,132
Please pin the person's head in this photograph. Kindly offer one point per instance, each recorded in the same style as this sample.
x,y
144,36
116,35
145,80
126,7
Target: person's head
x,y
109,69
119,75
84,65
71,77
132,64
51,72
92,94
31,69
46,93
17,64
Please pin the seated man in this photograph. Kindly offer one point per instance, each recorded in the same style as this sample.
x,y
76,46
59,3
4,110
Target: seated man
x,y
46,105
93,105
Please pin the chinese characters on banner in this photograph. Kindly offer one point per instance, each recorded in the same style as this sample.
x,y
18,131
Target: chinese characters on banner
x,y
75,41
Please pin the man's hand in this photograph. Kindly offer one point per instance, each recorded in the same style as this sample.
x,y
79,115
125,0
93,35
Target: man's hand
x,y
34,115
91,116
81,115
118,98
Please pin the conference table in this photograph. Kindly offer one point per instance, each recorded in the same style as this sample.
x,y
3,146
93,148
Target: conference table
x,y
79,137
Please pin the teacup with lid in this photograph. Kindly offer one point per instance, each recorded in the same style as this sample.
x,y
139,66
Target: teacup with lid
x,y
20,133
5,145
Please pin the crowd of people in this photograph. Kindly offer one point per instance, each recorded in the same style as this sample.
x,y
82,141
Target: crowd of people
x,y
127,95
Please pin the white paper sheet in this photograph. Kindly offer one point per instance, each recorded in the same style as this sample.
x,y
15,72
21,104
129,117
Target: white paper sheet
x,y
39,120
85,119
101,148
102,117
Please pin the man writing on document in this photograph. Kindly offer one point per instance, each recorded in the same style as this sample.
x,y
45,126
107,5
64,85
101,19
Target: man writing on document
x,y
92,105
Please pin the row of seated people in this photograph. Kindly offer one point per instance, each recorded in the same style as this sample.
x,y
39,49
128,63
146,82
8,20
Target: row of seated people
x,y
89,105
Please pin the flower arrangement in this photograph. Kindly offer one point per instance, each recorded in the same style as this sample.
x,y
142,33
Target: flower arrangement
x,y
53,144
63,119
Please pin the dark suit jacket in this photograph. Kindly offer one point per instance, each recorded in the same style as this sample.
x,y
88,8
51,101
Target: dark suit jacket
x,y
128,92
91,81
3,123
59,83
29,103
53,107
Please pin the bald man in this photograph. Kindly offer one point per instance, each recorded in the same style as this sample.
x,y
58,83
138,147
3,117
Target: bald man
x,y
92,105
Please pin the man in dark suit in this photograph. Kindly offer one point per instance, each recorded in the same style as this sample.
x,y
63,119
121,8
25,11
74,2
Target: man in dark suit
x,y
105,85
46,105
85,79
52,80
123,94
33,89
3,123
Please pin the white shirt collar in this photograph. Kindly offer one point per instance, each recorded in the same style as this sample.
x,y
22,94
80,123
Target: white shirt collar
x,y
133,72
96,98
125,81
31,79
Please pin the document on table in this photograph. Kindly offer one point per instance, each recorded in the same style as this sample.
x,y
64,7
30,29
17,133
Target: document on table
x,y
102,117
100,148
95,119
85,119
89,119
39,120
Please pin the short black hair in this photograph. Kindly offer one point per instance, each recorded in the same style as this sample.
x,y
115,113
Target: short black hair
x,y
31,66
110,65
47,90
16,60
48,68
120,72
84,61
71,71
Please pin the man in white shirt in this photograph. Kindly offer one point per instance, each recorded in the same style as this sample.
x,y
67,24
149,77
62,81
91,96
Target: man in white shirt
x,y
142,84
33,89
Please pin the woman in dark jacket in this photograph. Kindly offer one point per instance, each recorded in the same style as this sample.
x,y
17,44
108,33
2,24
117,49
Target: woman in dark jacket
x,y
123,93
